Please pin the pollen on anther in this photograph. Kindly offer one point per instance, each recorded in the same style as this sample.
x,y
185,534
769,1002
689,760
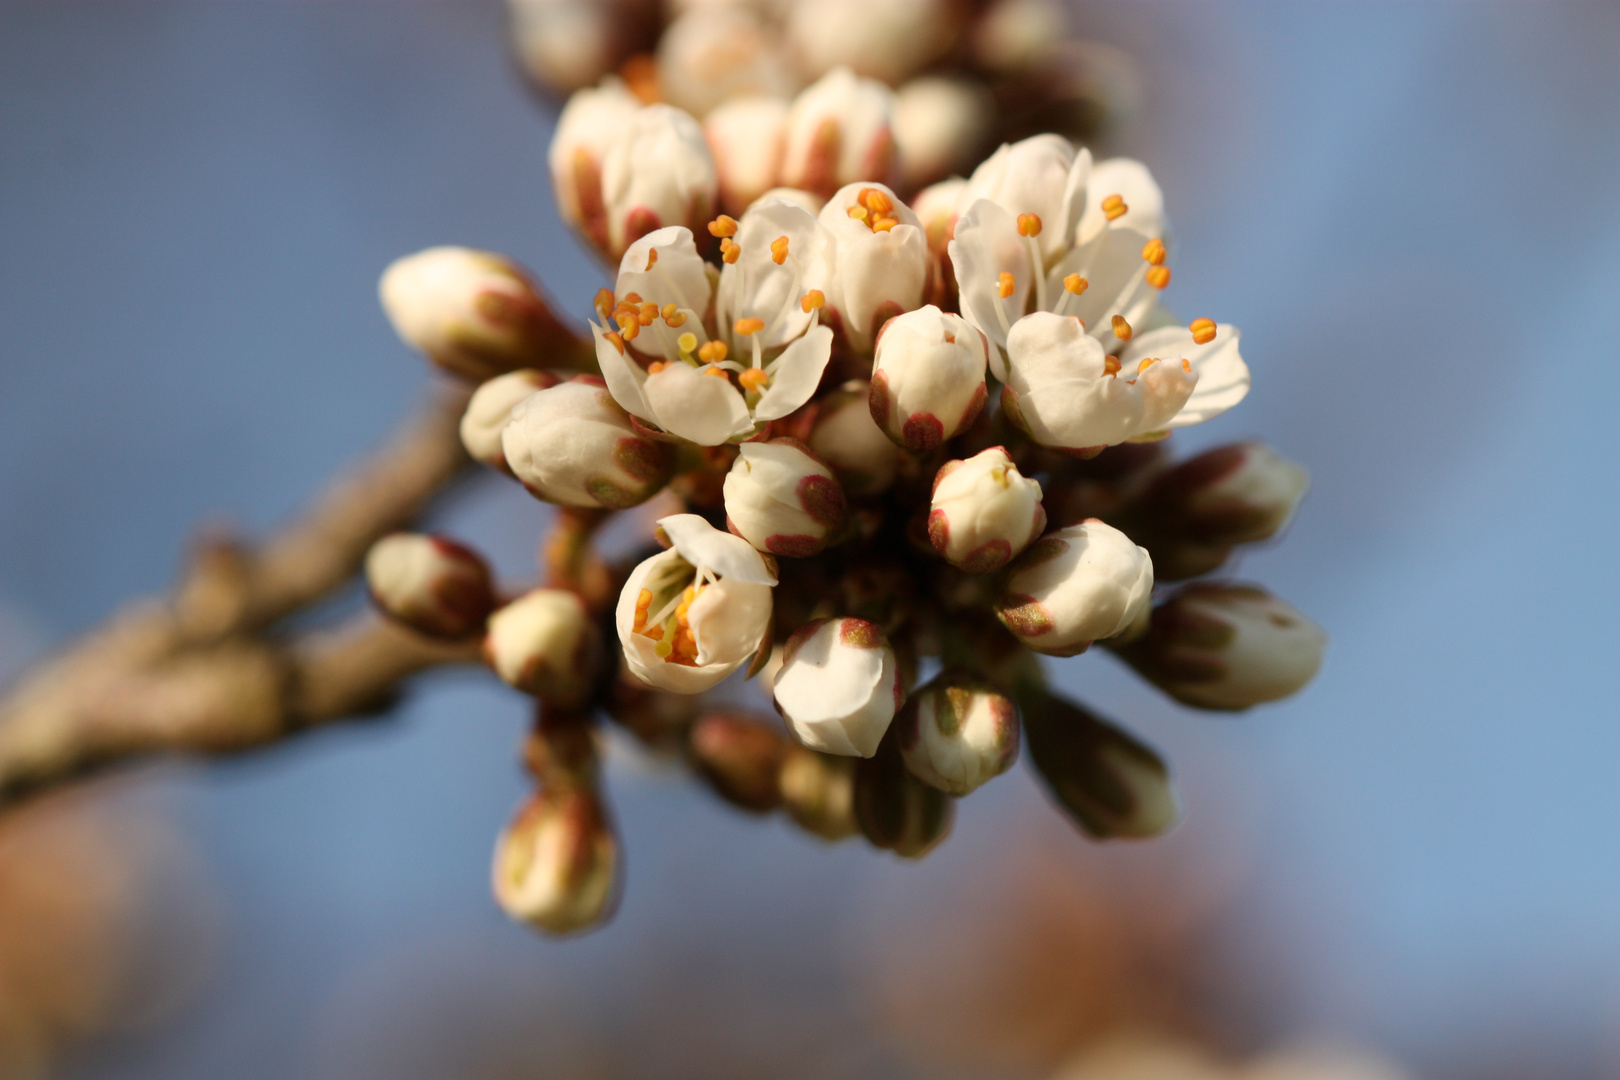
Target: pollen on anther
x,y
1122,329
779,250
633,299
1114,207
618,342
729,250
1186,365
656,366
717,372
629,325
712,352
1075,284
673,316
746,327
604,303
724,226
1110,365
754,379
876,201
1158,276
812,301
1029,224
1203,331
884,224
1006,285
652,257
1154,251
648,312
1145,364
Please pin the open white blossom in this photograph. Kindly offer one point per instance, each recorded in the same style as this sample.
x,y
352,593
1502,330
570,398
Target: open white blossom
x,y
1076,586
839,686
765,334
839,131
984,512
692,615
927,378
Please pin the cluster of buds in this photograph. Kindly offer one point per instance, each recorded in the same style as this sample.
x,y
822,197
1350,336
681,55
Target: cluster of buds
x,y
885,436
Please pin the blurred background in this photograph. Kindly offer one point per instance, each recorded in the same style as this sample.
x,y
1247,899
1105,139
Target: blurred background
x,y
1413,210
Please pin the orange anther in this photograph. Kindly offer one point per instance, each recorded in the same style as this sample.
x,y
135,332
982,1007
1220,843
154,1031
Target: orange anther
x,y
1186,365
1114,207
812,301
1029,224
884,224
618,342
717,372
779,250
1203,331
1007,285
631,298
1122,329
652,257
1076,284
656,366
1110,365
745,327
629,325
605,301
673,316
1145,364
1158,276
723,226
1153,251
712,352
875,200
648,312
729,251
754,380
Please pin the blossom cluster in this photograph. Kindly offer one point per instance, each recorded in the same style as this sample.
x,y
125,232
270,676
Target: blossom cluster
x,y
887,451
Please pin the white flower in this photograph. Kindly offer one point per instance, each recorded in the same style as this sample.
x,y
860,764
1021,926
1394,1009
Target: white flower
x,y
956,734
431,584
984,512
1015,250
1075,586
878,263
716,52
571,444
473,313
766,330
490,408
887,41
939,125
839,131
1066,394
839,686
556,864
540,643
591,122
658,172
745,135
781,499
692,615
846,437
1223,646
927,378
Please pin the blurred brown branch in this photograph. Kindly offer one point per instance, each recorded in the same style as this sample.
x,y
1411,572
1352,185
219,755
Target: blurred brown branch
x,y
206,670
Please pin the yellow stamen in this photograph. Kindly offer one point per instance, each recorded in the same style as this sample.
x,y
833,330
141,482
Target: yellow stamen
x,y
1110,365
648,312
729,251
652,257
717,372
1076,284
643,604
1153,251
723,226
632,298
1114,207
1145,364
673,316
605,301
1029,224
876,201
754,380
656,366
629,326
884,224
618,342
1203,331
812,301
1122,329
1186,365
779,250
686,342
860,213
1158,276
1007,285
746,327
712,352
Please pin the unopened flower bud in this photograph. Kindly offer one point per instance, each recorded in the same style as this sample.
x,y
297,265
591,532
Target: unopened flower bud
x,y
839,131
572,444
473,313
692,615
715,52
541,643
491,407
1112,784
879,264
888,41
818,792
839,686
1075,586
1223,646
781,499
1017,35
591,122
957,733
984,512
431,584
940,125
936,208
745,135
895,810
741,757
928,377
1193,515
556,864
565,45
847,438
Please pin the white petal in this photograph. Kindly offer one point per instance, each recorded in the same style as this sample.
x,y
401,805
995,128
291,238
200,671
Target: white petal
x,y
1223,377
795,375
679,277
987,245
755,287
1131,180
1112,265
729,619
622,375
699,408
701,544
